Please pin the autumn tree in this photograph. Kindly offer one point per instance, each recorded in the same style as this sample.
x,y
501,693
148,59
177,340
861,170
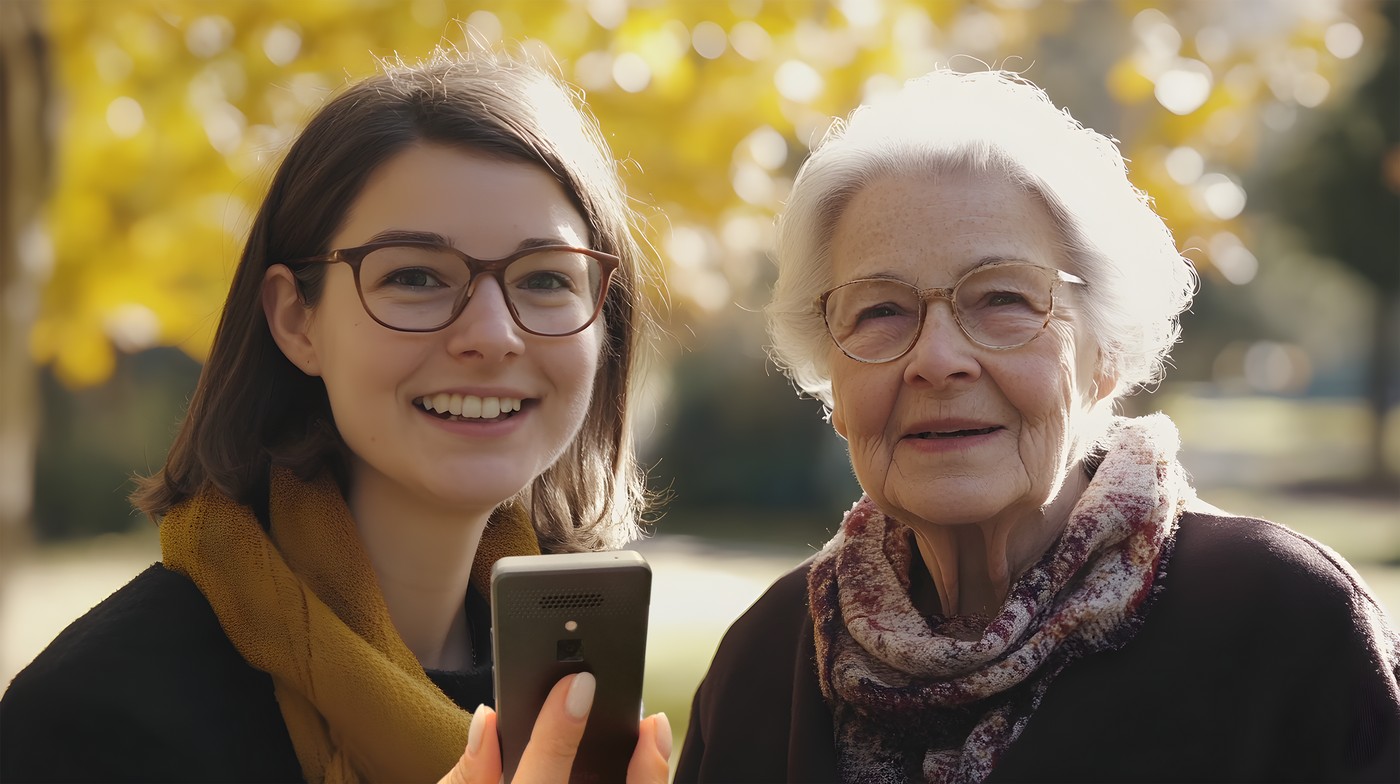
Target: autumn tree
x,y
175,112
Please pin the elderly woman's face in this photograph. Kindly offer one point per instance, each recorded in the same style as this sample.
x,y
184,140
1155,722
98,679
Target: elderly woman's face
x,y
952,432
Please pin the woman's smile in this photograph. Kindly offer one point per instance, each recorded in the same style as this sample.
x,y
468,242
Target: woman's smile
x,y
471,415
445,405
951,438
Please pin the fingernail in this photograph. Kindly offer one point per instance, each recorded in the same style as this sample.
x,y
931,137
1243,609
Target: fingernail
x,y
580,697
474,730
663,736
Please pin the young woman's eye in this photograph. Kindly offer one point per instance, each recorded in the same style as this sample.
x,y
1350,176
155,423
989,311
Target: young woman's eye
x,y
412,278
546,280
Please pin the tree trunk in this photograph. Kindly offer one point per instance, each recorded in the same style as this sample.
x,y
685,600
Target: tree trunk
x,y
1381,385
25,157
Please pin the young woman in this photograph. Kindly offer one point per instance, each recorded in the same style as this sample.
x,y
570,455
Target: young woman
x,y
423,365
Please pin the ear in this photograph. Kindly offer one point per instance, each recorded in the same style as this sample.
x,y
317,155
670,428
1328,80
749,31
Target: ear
x,y
1105,379
838,423
289,319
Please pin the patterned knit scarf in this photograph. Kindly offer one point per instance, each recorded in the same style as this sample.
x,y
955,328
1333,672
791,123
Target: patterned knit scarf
x,y
302,603
914,698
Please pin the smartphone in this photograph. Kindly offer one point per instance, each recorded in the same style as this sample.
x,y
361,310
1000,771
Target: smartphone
x,y
554,615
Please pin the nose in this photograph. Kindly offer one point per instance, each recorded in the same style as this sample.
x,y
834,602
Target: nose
x,y
942,354
485,327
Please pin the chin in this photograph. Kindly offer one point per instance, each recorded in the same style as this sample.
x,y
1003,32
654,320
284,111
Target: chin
x,y
475,493
953,504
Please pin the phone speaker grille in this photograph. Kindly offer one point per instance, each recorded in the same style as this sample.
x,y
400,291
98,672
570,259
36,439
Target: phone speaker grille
x,y
571,600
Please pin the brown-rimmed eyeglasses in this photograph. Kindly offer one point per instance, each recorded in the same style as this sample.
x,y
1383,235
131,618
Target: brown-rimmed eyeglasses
x,y
550,290
1002,305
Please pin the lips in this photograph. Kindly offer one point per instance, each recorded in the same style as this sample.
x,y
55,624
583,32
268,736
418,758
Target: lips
x,y
951,433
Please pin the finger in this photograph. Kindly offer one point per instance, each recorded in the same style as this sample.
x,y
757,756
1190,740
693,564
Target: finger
x,y
651,762
481,760
549,755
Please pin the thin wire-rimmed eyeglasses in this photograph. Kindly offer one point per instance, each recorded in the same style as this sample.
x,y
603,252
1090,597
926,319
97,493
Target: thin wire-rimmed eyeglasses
x,y
1001,305
408,286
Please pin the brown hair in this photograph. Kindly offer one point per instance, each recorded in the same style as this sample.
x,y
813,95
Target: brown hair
x,y
252,408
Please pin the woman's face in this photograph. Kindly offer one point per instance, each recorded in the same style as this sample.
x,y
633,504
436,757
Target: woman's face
x,y
377,378
1005,417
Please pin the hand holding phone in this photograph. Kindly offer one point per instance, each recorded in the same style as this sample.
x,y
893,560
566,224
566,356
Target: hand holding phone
x,y
556,737
556,615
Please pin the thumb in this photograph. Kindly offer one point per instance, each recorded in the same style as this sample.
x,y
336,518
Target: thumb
x,y
549,756
480,762
651,761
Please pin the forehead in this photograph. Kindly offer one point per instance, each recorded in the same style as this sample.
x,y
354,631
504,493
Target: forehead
x,y
485,205
930,228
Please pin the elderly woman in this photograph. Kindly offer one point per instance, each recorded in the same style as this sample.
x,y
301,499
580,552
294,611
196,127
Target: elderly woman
x,y
1029,588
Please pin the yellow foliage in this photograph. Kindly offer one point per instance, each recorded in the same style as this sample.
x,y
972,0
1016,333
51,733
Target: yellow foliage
x,y
1128,84
176,111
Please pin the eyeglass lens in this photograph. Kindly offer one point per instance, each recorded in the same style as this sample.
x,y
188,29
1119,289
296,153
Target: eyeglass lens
x,y
998,306
553,292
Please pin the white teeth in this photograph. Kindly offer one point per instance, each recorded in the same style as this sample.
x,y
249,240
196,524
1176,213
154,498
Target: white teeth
x,y
470,406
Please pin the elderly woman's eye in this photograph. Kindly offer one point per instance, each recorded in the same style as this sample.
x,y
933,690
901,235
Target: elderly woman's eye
x,y
885,310
1002,298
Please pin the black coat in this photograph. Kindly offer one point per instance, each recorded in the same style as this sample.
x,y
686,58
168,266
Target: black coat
x,y
1251,665
146,687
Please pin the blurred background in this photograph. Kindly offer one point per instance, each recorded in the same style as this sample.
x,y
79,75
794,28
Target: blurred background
x,y
138,137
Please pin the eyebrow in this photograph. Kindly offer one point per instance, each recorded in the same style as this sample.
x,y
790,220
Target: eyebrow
x,y
433,238
408,235
985,260
982,262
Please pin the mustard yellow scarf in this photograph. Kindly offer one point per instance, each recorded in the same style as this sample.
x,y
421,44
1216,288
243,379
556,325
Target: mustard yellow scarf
x,y
304,606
